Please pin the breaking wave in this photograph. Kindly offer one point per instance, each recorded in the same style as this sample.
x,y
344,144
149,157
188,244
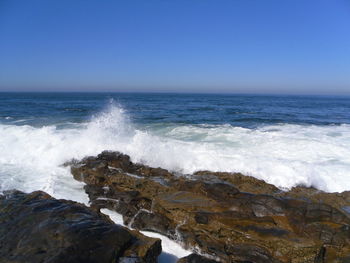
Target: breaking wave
x,y
285,155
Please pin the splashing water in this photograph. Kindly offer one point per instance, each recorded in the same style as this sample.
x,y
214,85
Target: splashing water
x,y
285,155
34,147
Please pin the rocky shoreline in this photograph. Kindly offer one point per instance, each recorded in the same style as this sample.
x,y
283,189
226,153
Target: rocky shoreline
x,y
227,217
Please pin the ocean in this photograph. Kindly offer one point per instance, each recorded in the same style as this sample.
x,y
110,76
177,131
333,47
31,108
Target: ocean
x,y
284,140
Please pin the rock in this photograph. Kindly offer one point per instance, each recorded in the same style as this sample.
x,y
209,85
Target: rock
x,y
142,250
194,258
338,200
228,216
244,183
38,228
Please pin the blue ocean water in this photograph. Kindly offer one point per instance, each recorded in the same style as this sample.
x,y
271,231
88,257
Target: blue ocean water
x,y
284,140
249,111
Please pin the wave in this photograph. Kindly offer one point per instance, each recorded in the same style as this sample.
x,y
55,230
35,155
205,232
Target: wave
x,y
285,155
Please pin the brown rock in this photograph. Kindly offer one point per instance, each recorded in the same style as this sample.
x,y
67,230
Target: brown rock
x,y
232,217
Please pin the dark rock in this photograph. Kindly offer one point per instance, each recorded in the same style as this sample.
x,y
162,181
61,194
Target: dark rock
x,y
321,255
228,216
151,222
201,218
38,228
194,258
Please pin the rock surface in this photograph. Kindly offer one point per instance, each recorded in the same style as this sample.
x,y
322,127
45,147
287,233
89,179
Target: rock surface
x,y
229,216
38,228
194,258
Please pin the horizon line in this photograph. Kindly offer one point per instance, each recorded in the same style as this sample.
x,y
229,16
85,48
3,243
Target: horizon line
x,y
182,93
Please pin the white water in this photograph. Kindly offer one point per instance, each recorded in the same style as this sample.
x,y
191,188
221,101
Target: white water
x,y
285,155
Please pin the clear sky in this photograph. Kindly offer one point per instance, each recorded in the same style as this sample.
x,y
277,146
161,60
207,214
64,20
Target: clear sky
x,y
249,46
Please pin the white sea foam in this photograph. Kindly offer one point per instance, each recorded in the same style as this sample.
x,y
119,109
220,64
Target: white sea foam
x,y
285,155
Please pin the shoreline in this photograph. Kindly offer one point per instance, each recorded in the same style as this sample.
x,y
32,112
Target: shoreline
x,y
210,216
228,216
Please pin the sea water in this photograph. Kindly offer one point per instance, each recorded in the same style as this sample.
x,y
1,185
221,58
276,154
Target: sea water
x,y
284,140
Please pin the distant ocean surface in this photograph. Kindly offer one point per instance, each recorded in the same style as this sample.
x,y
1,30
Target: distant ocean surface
x,y
285,140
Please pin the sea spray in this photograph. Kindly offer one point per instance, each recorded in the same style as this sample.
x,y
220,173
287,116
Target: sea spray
x,y
285,155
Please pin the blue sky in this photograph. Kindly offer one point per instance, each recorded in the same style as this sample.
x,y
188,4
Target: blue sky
x,y
249,46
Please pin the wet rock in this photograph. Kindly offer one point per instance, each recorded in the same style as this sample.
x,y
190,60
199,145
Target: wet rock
x,y
242,182
228,216
38,228
149,221
142,250
194,258
337,200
